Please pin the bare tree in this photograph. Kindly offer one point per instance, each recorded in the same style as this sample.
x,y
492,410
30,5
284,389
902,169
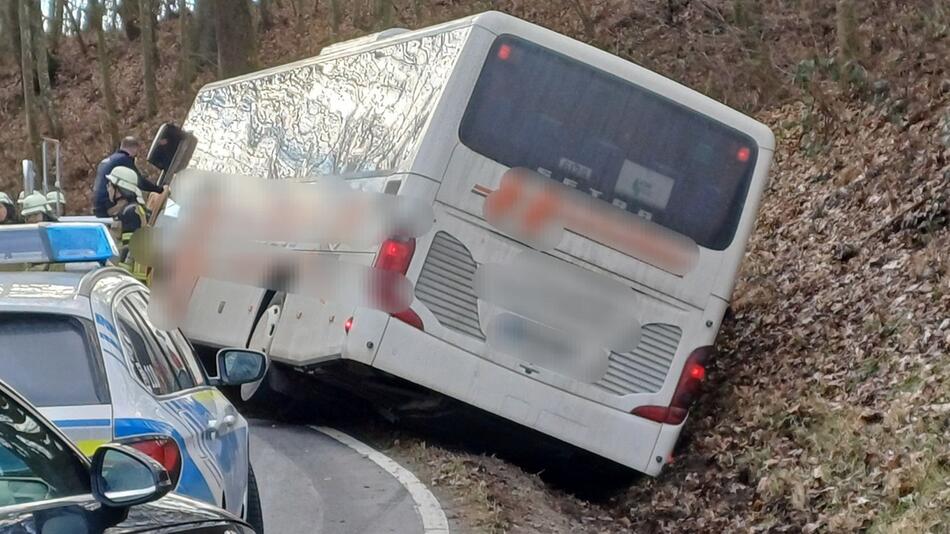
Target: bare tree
x,y
848,45
56,9
267,18
11,25
77,29
27,70
102,51
41,57
384,13
185,68
235,31
148,56
336,15
203,33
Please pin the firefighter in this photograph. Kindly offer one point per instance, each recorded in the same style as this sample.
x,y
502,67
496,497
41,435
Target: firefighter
x,y
54,198
36,209
126,198
7,209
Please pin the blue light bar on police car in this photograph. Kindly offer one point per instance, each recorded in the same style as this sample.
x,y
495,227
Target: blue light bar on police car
x,y
56,243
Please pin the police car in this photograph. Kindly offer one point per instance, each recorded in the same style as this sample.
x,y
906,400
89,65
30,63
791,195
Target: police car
x,y
75,340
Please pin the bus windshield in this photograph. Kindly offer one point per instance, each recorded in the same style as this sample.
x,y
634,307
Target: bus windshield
x,y
594,132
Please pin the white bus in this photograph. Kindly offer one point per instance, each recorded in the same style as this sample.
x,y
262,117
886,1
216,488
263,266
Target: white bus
x,y
672,181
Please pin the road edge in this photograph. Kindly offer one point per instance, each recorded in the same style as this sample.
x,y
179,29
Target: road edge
x,y
428,507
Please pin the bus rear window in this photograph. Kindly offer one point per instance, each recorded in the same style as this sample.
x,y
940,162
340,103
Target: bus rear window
x,y
607,137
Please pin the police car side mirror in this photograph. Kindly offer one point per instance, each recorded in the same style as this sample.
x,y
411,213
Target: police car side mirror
x,y
239,366
122,477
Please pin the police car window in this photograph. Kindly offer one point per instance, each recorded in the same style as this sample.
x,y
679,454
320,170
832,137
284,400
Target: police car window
x,y
51,359
35,464
150,370
176,358
609,138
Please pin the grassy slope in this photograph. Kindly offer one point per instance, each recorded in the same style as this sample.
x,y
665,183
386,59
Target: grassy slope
x,y
829,407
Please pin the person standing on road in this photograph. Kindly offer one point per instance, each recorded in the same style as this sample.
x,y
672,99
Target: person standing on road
x,y
102,204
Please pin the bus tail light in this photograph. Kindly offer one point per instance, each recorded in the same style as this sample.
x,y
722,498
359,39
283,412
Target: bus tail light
x,y
347,325
162,449
395,255
687,389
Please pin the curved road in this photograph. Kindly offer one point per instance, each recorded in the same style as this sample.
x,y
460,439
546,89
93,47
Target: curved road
x,y
312,483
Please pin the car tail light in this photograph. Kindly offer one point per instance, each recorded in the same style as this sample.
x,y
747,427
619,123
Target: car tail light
x,y
162,449
687,389
395,255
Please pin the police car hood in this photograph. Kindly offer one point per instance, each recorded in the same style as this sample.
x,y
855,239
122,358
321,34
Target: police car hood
x,y
171,511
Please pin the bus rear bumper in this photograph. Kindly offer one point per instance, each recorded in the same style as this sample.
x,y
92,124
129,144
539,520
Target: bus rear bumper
x,y
430,362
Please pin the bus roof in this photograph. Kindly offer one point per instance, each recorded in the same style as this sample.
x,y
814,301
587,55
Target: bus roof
x,y
501,23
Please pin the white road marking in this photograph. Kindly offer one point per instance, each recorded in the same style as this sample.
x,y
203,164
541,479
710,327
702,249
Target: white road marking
x,y
433,517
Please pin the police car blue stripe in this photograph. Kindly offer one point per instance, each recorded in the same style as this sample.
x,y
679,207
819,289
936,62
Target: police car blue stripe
x,y
188,412
76,423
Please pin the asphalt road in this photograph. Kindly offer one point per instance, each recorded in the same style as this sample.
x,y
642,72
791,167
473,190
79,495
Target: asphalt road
x,y
311,483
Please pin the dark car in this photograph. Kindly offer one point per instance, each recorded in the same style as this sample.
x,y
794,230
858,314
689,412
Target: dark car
x,y
48,487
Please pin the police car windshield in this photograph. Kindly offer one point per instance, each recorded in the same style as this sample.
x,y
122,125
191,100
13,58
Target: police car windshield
x,y
49,359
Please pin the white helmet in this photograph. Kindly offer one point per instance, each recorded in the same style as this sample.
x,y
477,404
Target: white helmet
x,y
126,179
35,202
55,197
5,198
20,197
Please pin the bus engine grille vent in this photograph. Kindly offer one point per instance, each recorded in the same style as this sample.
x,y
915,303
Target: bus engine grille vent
x,y
445,285
644,369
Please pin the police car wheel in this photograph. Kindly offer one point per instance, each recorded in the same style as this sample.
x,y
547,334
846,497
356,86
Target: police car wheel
x,y
252,510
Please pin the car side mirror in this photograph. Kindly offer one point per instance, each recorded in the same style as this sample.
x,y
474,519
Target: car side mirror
x,y
239,366
123,477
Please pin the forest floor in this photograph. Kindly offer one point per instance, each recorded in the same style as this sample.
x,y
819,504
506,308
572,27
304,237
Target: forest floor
x,y
828,408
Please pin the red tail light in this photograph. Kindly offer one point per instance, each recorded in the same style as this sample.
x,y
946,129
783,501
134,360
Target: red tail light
x,y
395,255
694,372
162,449
347,325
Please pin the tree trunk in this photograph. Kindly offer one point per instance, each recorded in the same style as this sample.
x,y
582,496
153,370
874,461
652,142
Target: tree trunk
x,y
267,18
335,15
204,40
130,13
27,70
185,69
102,51
77,29
11,26
384,14
848,45
148,56
235,31
56,9
41,56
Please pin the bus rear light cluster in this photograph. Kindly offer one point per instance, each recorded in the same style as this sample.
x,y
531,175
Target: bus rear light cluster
x,y
395,255
687,389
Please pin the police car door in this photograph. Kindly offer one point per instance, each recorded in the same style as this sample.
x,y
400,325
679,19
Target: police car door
x,y
215,435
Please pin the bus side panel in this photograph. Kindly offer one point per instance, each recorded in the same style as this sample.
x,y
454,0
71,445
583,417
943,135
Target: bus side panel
x,y
221,314
435,364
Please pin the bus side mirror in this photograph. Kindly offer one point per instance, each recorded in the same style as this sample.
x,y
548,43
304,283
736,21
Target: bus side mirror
x,y
171,148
